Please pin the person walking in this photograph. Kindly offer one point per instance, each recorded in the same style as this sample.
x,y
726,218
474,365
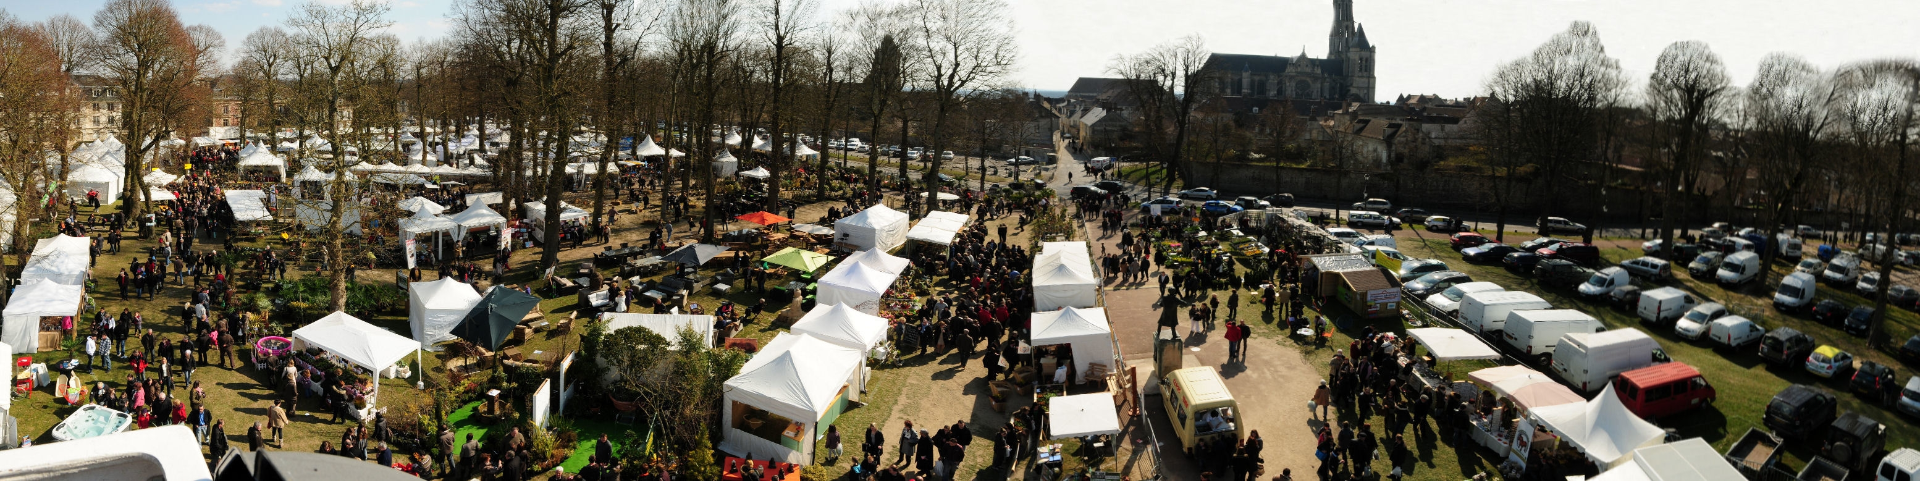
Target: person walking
x,y
277,421
1322,397
908,437
1233,340
446,450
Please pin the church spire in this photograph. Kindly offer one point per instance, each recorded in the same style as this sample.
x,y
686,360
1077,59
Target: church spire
x,y
1360,37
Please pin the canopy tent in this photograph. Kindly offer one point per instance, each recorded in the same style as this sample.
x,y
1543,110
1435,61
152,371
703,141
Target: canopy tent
x,y
435,308
63,258
311,174
798,377
205,142
757,173
694,255
799,259
803,151
762,144
1505,380
31,301
1085,330
105,179
248,205
648,149
417,168
1690,459
159,178
733,139
1452,344
666,325
878,227
1543,394
399,179
492,319
477,216
813,229
537,211
249,149
724,165
1082,415
423,222
839,324
941,196
1064,279
315,215
879,260
938,227
763,218
486,198
417,203
1602,428
675,153
355,341
266,160
854,284
157,194
363,166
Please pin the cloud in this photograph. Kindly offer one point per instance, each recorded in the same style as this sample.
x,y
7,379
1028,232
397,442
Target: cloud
x,y
267,3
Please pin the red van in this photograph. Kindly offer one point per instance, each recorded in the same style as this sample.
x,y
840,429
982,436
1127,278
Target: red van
x,y
1662,390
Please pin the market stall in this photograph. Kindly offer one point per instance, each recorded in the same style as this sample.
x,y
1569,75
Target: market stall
x,y
879,260
92,177
351,342
839,324
537,216
855,284
316,214
263,160
38,311
878,227
778,405
477,216
798,259
1086,333
1082,415
62,258
1602,428
486,198
1446,345
1064,278
417,203
424,222
248,205
434,308
1511,392
725,164
1690,459
938,227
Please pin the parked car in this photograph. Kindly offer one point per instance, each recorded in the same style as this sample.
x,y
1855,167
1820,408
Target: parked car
x,y
1362,218
1830,312
1166,204
1694,324
1909,401
1250,202
1220,207
1663,389
1664,305
1448,301
1441,223
1560,273
1869,282
1412,215
1874,382
1738,268
1854,441
1706,264
1829,361
1843,269
1414,269
1734,332
1810,266
1583,254
1086,192
1435,282
1279,200
1859,321
1651,268
1604,281
1902,296
1521,261
1373,204
1023,160
1344,234
1485,253
1806,231
1464,240
946,155
1624,297
1558,224
1111,186
1795,292
1785,346
1910,350
1799,411
1538,243
1203,193
1654,247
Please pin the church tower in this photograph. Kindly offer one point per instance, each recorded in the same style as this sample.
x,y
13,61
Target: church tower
x,y
1340,36
1359,66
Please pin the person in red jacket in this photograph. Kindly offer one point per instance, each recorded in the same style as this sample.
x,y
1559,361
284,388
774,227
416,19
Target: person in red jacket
x,y
1233,340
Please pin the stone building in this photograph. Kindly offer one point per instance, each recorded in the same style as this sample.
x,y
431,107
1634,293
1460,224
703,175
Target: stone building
x,y
1346,74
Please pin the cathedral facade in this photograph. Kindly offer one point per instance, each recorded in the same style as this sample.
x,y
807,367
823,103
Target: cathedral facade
x,y
1345,75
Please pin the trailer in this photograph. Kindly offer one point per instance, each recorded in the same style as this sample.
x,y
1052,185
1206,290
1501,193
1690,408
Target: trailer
x,y
1755,454
1820,469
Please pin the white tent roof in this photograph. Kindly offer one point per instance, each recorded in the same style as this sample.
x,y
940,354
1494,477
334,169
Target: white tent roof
x,y
249,149
843,325
417,169
1603,428
1506,380
159,178
666,325
854,284
310,174
1086,330
159,194
486,198
878,227
261,158
435,308
423,222
1690,459
168,452
733,139
537,210
248,205
757,173
402,179
476,216
1064,279
32,300
938,227
803,151
417,203
363,166
762,144
1082,415
648,149
355,340
676,153
796,376
64,259
1452,344
879,260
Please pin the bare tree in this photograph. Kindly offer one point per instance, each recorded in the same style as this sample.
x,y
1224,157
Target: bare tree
x,y
1786,119
1170,82
264,59
702,36
876,46
155,63
73,42
785,22
1877,108
1686,95
966,49
1547,112
332,39
833,71
37,110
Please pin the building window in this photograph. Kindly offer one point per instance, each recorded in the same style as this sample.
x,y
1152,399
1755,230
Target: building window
x,y
226,110
1302,89
96,121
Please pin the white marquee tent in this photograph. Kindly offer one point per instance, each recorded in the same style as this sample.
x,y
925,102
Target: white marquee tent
x,y
486,198
1452,344
1690,459
315,215
856,285
839,324
725,164
248,205
537,211
434,308
64,259
939,227
159,178
105,179
648,148
357,342
798,377
1064,279
1602,428
424,222
757,173
31,301
477,216
879,260
416,203
1085,330
266,160
878,227
1082,415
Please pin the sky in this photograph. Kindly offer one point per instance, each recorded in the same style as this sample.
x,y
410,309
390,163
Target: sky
x,y
1444,47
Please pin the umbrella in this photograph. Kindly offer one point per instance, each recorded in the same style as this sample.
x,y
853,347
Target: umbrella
x,y
804,260
763,218
813,229
694,254
493,319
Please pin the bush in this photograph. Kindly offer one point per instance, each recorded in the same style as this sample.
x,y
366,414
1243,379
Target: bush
x,y
819,472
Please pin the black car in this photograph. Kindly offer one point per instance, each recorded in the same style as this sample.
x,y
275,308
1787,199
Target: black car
x,y
1111,185
1435,282
1853,441
1625,297
1786,345
1859,321
1874,382
1799,411
1279,200
1412,216
1902,296
1521,261
1560,273
1087,192
1490,253
1910,351
1829,312
1536,244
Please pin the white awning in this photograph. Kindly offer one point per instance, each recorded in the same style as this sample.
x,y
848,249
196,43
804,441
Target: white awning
x,y
843,325
1082,415
363,344
1452,344
248,205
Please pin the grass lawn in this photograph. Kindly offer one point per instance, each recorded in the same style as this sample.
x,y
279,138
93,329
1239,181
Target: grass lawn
x,y
1744,384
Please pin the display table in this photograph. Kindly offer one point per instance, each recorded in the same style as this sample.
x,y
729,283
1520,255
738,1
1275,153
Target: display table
x,y
1487,433
729,473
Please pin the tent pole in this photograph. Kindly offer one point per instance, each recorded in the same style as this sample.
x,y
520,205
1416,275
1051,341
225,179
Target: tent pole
x,y
420,378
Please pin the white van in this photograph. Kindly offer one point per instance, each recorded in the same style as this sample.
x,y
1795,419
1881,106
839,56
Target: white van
x,y
1790,247
1795,292
1843,269
1658,306
1900,465
1448,301
1486,312
1734,331
1536,332
1604,281
1377,240
1738,268
1588,361
1344,234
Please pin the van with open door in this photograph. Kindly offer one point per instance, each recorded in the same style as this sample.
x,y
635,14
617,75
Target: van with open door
x,y
1200,408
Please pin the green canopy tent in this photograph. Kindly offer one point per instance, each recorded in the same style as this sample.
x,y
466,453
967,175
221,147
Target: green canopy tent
x,y
493,319
799,259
